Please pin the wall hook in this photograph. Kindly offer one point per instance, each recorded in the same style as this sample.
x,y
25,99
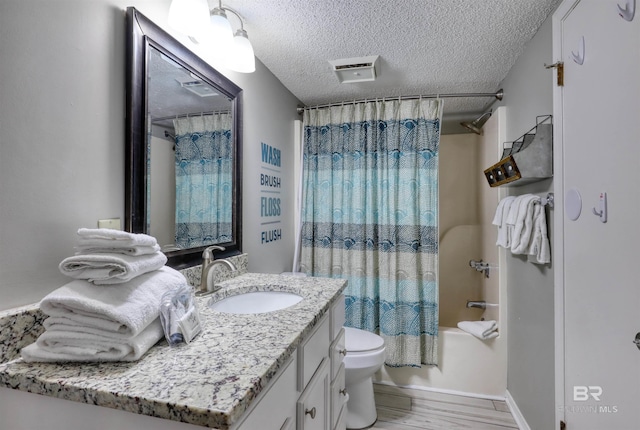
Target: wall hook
x,y
602,208
628,12
579,56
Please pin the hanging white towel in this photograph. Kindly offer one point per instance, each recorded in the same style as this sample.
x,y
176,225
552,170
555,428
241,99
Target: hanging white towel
x,y
524,224
539,249
99,240
481,329
109,268
500,220
125,309
60,346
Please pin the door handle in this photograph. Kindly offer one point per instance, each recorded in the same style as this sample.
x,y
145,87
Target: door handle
x,y
637,340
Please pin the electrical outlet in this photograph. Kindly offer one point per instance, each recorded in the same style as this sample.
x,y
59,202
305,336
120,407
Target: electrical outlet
x,y
112,223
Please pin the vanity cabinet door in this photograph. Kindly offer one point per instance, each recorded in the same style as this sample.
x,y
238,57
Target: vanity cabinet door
x,y
275,406
313,404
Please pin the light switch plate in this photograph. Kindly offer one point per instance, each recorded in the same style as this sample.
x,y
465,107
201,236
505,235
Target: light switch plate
x,y
112,223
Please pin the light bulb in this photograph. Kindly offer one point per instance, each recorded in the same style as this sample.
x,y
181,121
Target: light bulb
x,y
241,56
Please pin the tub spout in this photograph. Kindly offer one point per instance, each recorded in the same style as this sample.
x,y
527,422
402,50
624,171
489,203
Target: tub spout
x,y
480,304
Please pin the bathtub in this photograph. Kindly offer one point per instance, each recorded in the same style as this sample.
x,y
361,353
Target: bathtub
x,y
468,366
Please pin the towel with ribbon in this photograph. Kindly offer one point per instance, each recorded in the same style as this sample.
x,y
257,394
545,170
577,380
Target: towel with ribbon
x,y
125,309
481,329
88,322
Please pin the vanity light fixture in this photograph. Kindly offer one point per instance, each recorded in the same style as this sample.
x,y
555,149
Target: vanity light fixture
x,y
235,51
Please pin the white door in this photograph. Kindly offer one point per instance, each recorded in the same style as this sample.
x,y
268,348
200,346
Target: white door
x,y
598,151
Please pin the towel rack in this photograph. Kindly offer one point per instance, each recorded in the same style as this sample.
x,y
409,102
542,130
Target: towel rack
x,y
547,201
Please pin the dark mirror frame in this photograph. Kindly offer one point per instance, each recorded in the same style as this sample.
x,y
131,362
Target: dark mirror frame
x,y
141,34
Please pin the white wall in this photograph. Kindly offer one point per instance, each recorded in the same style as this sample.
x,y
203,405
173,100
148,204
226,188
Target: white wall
x,y
530,380
62,136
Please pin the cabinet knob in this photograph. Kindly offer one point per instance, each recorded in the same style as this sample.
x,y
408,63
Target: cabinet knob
x,y
311,412
343,391
342,351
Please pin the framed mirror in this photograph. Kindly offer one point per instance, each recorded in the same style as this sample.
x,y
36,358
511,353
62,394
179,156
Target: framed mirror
x,y
183,140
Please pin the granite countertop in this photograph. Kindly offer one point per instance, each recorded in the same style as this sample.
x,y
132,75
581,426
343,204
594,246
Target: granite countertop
x,y
209,382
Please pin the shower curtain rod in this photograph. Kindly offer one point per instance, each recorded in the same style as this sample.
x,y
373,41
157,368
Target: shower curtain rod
x,y
498,95
189,115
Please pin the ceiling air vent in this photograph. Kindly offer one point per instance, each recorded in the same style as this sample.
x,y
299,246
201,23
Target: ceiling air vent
x,y
196,86
350,70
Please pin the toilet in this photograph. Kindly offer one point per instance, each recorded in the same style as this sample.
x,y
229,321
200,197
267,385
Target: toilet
x,y
365,355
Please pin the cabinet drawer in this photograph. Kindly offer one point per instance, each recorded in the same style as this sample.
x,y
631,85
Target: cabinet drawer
x,y
337,353
313,350
313,404
338,396
337,316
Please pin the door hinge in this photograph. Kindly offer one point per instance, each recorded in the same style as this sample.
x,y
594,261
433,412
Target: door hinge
x,y
563,426
559,66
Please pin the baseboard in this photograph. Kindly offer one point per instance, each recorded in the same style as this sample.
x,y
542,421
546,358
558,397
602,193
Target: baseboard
x,y
515,411
444,391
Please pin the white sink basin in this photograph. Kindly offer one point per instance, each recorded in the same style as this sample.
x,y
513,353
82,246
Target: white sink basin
x,y
256,302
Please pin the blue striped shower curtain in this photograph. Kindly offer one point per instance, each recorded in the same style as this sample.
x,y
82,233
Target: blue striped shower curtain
x,y
370,215
204,169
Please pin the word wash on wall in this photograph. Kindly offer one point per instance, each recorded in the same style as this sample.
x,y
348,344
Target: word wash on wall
x,y
270,194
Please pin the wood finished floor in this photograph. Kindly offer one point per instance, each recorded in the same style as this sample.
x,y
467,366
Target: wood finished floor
x,y
407,409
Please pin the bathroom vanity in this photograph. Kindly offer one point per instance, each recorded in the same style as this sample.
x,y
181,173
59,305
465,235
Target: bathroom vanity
x,y
276,370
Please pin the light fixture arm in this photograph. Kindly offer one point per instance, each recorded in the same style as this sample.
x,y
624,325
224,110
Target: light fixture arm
x,y
228,9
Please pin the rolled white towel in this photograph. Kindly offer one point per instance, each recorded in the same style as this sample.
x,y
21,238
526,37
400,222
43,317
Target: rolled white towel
x,y
99,240
109,268
60,346
125,310
481,329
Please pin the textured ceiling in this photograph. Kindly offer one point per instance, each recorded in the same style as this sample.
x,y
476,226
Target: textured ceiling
x,y
425,46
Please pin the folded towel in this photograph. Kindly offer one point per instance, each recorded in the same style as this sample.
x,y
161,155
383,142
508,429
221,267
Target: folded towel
x,y
539,249
524,224
57,346
126,309
109,268
481,329
98,240
500,220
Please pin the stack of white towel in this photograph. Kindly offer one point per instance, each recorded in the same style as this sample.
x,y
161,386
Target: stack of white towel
x,y
522,227
110,311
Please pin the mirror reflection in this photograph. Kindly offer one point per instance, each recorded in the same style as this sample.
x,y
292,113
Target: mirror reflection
x,y
189,157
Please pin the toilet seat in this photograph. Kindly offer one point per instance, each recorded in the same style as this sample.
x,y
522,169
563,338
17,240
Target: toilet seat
x,y
359,341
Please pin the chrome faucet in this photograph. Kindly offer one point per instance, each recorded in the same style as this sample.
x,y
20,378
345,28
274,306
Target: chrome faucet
x,y
208,263
480,304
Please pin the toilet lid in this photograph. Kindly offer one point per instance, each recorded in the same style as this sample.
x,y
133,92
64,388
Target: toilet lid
x,y
357,340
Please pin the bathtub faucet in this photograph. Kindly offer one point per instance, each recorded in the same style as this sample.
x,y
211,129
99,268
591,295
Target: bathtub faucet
x,y
480,266
480,304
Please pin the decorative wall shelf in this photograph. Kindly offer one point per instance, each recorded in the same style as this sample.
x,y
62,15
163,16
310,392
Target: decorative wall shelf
x,y
528,159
